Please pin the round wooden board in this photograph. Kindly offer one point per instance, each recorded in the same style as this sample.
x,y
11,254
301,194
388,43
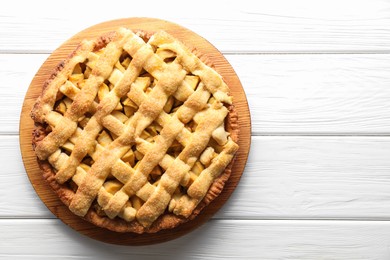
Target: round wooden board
x,y
48,196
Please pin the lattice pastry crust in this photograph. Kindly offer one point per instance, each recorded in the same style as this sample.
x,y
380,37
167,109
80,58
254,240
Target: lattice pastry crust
x,y
135,132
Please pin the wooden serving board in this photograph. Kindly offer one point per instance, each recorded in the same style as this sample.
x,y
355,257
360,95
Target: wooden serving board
x,y
48,196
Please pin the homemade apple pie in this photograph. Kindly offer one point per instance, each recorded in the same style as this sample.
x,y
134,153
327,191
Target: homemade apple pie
x,y
135,132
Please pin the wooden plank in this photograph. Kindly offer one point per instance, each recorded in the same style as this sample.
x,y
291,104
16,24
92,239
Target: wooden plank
x,y
240,26
314,178
17,71
287,94
316,94
285,178
218,239
17,196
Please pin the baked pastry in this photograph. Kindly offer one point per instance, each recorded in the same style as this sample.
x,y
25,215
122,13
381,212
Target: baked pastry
x,y
134,132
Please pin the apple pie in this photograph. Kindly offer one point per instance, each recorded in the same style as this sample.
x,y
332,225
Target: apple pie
x,y
135,132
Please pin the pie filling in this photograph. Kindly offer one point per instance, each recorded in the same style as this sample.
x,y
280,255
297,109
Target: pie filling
x,y
136,127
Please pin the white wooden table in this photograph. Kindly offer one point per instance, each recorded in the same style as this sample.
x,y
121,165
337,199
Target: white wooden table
x,y
317,77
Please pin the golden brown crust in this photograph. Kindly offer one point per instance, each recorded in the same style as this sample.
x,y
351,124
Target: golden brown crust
x,y
67,194
98,44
